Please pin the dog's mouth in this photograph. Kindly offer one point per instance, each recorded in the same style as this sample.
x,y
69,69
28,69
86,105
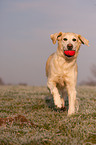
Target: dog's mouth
x,y
69,53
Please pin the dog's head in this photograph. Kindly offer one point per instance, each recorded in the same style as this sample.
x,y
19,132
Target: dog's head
x,y
68,43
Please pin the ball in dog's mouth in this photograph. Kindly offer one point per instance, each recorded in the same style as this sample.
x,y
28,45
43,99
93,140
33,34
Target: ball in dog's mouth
x,y
69,53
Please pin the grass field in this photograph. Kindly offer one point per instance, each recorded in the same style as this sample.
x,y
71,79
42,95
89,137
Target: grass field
x,y
44,125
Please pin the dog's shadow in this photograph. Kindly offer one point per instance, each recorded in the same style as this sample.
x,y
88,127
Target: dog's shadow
x,y
50,103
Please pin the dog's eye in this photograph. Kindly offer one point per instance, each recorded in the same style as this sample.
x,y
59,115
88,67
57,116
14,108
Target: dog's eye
x,y
74,39
65,39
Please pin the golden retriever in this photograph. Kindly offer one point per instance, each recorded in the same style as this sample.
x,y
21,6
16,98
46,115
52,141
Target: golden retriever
x,y
61,68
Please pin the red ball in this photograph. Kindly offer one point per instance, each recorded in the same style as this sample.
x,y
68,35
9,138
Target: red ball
x,y
69,52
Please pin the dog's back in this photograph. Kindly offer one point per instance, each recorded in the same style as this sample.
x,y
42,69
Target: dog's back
x,y
48,63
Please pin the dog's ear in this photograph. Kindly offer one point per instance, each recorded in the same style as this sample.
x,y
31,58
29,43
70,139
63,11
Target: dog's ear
x,y
83,40
55,36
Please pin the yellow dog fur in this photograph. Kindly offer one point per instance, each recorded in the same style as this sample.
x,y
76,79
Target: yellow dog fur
x,y
61,70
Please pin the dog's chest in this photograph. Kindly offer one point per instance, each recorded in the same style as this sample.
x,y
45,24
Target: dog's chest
x,y
61,81
64,72
63,68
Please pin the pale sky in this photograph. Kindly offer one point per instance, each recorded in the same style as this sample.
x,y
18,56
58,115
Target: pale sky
x,y
25,44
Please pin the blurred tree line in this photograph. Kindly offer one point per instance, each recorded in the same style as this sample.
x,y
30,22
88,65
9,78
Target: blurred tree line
x,y
91,81
1,82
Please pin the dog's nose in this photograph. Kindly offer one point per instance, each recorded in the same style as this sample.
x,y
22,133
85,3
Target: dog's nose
x,y
69,46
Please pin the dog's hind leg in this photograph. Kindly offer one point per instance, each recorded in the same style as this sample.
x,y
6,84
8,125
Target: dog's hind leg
x,y
72,100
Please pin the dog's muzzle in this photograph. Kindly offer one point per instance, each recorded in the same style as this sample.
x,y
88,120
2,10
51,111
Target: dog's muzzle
x,y
69,52
69,46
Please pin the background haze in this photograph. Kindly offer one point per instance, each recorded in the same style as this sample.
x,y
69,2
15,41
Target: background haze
x,y
25,42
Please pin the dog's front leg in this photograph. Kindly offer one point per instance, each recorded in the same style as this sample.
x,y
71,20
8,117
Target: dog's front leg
x,y
72,99
56,96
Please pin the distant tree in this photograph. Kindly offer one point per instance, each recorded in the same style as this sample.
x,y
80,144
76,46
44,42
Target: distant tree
x,y
93,70
91,82
1,81
22,84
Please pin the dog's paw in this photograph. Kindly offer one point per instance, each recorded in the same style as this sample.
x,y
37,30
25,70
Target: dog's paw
x,y
58,103
71,112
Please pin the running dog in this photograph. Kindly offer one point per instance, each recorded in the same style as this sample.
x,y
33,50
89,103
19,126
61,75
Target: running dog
x,y
61,68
